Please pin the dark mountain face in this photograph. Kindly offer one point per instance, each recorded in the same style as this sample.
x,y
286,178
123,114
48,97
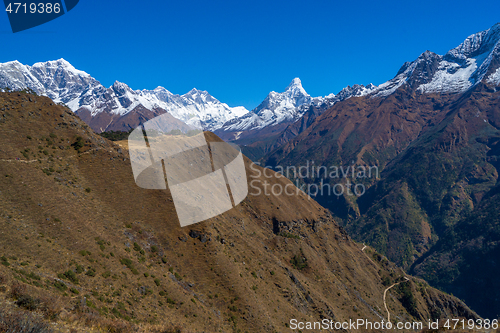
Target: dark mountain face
x,y
426,67
435,182
435,175
107,121
364,132
465,259
261,142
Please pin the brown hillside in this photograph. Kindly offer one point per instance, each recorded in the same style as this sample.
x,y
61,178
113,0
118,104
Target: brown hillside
x,y
86,249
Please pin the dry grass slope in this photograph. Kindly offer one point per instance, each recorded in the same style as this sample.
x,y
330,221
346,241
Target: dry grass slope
x,y
82,249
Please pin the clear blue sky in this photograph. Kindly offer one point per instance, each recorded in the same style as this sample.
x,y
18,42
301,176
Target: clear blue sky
x,y
241,50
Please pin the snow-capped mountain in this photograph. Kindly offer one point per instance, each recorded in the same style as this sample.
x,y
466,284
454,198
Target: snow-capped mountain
x,y
277,108
63,83
58,79
287,107
356,90
476,59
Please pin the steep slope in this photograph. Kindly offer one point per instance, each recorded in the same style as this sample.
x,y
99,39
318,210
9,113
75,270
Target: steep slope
x,y
88,249
443,175
360,131
466,257
255,150
433,170
60,81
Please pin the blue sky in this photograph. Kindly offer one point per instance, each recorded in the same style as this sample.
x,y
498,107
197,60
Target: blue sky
x,y
241,50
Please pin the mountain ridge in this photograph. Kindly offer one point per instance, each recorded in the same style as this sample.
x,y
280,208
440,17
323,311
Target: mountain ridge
x,y
60,81
430,73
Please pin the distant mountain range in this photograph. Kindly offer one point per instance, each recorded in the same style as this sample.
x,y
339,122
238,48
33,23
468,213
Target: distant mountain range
x,y
461,69
105,108
121,108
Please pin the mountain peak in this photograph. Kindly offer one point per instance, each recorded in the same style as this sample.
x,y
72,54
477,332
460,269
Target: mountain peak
x,y
160,88
63,62
119,85
295,83
355,91
295,89
194,93
60,64
476,44
428,54
14,64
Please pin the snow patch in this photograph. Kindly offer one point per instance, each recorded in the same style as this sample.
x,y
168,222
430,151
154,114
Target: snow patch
x,y
451,77
494,78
